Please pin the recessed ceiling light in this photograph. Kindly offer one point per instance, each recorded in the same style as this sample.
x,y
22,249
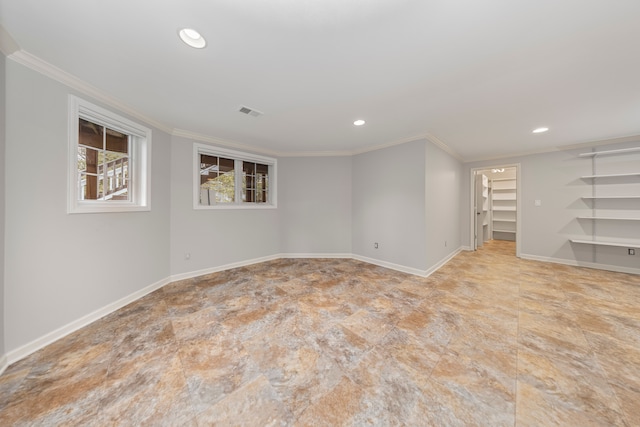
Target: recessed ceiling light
x,y
540,130
192,38
359,122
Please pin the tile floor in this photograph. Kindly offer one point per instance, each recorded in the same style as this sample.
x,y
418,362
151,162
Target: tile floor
x,y
487,340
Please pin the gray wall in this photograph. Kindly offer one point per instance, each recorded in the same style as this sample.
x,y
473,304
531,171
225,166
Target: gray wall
x,y
554,179
443,181
214,238
389,205
61,267
2,193
315,205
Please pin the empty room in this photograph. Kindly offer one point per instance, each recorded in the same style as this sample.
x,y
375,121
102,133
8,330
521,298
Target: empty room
x,y
319,213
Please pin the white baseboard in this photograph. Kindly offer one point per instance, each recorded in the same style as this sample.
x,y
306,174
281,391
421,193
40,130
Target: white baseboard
x,y
204,272
4,363
317,256
390,265
442,262
574,263
37,344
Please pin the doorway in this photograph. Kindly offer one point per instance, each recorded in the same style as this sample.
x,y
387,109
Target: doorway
x,y
495,205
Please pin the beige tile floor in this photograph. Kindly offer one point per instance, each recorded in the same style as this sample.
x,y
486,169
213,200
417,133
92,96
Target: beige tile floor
x,y
487,340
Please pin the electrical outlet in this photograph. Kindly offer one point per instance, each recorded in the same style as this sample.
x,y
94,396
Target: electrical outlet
x,y
632,251
445,243
187,255
375,245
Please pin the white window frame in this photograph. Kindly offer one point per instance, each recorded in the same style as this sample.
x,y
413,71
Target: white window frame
x,y
139,160
238,157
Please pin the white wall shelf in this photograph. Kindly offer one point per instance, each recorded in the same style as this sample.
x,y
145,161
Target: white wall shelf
x,y
504,208
613,215
609,218
609,152
604,243
615,175
609,197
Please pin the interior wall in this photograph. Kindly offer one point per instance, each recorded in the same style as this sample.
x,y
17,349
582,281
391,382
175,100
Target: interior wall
x,y
61,267
554,179
213,238
389,205
3,61
315,205
443,178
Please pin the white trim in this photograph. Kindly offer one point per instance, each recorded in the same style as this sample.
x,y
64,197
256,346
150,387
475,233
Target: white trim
x,y
392,266
238,157
442,262
217,141
139,159
316,256
573,263
472,187
35,345
7,44
4,363
38,65
205,271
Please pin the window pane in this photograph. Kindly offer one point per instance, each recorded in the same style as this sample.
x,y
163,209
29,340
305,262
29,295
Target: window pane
x,y
217,180
117,142
104,168
90,134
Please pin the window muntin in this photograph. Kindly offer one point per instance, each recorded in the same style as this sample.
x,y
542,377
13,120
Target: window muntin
x,y
103,163
217,180
109,161
232,179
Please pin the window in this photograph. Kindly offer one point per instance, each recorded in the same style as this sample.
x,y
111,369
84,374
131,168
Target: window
x,y
232,179
109,161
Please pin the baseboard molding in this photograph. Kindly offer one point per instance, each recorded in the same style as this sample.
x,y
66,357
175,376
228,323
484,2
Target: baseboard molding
x,y
390,265
573,263
4,363
204,272
442,262
37,344
317,256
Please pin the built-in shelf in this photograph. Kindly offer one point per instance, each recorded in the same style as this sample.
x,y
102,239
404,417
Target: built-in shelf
x,y
609,218
615,175
504,208
503,220
504,196
609,152
610,197
606,226
503,231
601,243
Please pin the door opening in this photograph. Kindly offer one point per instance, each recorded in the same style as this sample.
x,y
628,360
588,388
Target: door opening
x,y
496,205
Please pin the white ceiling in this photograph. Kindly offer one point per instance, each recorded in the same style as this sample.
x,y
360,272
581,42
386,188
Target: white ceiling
x,y
477,75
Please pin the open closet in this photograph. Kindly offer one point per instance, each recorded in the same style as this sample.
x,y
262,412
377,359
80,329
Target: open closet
x,y
495,204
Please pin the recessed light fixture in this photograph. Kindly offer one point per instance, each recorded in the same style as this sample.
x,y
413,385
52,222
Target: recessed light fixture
x,y
540,130
192,38
359,122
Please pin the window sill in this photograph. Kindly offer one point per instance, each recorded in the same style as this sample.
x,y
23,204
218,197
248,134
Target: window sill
x,y
226,207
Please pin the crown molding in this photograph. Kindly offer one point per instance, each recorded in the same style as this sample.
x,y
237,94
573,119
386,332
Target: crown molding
x,y
36,64
436,141
582,145
7,44
226,143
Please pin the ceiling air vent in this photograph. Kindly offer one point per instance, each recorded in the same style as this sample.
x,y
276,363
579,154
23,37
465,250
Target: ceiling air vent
x,y
250,111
